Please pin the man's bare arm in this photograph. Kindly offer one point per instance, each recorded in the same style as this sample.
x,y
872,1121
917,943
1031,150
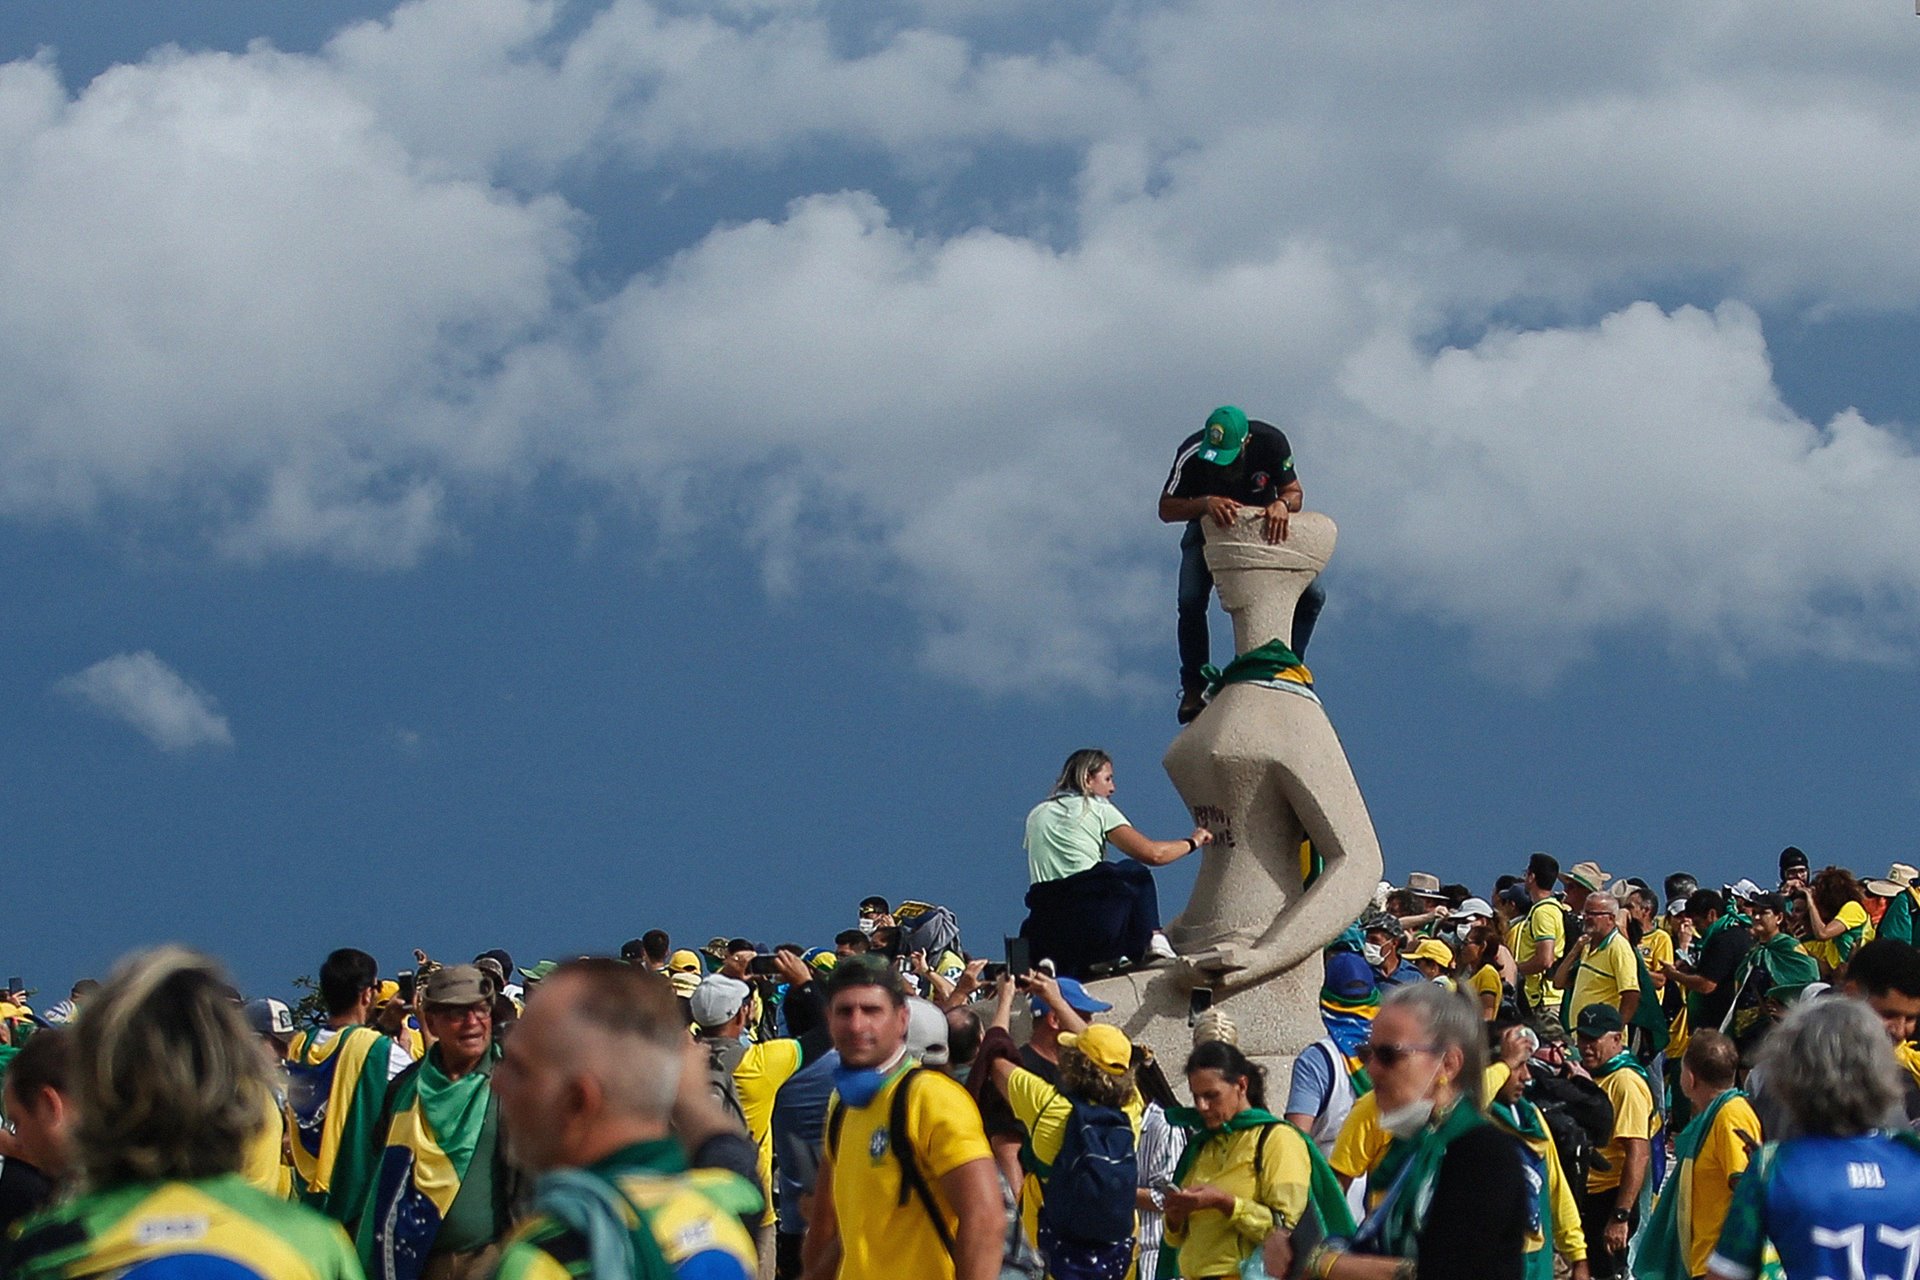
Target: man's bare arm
x,y
978,1246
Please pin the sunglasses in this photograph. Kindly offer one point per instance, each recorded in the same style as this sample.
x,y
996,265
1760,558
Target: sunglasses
x,y
1392,1055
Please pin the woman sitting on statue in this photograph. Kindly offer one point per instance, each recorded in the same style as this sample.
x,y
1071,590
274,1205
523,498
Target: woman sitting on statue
x,y
1083,911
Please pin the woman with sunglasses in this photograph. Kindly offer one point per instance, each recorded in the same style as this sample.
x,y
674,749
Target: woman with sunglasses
x,y
1456,1204
1245,1172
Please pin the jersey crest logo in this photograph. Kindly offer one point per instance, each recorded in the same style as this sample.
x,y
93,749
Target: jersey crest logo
x,y
877,1145
1260,479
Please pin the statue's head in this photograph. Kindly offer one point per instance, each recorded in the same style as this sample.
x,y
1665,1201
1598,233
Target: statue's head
x,y
1246,566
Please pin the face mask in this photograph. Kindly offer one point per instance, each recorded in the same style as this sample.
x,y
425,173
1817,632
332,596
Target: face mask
x,y
868,924
858,1086
1408,1120
1376,955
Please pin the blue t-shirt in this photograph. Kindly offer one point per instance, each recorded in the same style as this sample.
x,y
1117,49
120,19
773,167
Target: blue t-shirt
x,y
1312,1082
799,1123
1833,1207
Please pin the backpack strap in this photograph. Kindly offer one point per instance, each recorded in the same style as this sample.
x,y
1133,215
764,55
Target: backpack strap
x,y
1260,1157
911,1179
834,1119
1029,1158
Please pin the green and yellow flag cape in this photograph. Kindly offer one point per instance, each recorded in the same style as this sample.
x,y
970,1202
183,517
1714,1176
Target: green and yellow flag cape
x,y
430,1145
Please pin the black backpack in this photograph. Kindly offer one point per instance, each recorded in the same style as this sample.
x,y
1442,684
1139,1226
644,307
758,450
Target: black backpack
x,y
1091,1183
912,1181
1579,1115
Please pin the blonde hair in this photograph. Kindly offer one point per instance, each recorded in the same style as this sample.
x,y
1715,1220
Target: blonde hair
x,y
168,1079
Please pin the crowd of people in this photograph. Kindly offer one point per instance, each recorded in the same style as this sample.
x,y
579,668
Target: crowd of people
x,y
1571,1075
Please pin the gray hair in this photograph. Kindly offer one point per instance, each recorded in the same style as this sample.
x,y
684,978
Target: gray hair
x,y
1599,898
1452,1022
169,1082
1830,1066
628,1032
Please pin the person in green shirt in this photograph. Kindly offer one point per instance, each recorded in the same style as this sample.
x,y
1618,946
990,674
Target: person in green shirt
x,y
586,1088
167,1106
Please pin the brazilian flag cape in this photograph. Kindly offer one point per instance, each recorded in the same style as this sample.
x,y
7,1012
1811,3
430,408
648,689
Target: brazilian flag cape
x,y
1660,1252
1523,1120
1647,1014
1788,968
430,1144
334,1095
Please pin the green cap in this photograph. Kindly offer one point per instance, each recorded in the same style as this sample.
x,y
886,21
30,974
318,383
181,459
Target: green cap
x,y
1597,1020
1225,434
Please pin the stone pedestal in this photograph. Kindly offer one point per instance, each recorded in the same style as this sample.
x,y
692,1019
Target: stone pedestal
x,y
1262,769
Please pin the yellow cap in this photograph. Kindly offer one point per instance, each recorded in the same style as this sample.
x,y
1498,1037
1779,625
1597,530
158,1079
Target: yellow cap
x,y
1106,1047
683,962
1435,950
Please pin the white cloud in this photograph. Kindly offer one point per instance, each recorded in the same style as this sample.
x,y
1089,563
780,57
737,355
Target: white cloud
x,y
319,305
149,696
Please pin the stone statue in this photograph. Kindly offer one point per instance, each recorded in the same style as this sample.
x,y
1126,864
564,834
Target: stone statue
x,y
1262,769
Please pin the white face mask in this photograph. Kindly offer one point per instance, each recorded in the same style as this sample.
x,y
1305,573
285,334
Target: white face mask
x,y
1406,1121
1376,955
868,924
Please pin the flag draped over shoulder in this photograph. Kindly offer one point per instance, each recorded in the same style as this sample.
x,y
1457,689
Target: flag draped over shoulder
x,y
1660,1251
334,1095
435,1130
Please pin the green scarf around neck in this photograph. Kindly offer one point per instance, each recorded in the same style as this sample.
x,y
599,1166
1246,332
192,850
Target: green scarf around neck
x,y
1407,1169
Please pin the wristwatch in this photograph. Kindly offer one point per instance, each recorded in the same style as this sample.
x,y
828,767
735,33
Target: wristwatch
x,y
1619,1215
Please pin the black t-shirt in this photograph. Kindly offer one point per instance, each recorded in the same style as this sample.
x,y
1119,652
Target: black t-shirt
x,y
1717,964
23,1191
1256,477
1476,1227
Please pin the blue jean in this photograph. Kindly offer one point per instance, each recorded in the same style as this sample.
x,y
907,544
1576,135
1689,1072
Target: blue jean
x,y
1092,917
1196,589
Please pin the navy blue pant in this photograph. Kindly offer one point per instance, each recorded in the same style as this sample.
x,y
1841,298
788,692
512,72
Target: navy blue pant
x,y
1092,917
1196,588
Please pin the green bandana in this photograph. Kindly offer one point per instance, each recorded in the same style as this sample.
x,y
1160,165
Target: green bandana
x,y
1271,661
1407,1169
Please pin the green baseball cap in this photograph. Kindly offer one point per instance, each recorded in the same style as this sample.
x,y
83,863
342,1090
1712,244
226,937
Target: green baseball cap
x,y
1225,434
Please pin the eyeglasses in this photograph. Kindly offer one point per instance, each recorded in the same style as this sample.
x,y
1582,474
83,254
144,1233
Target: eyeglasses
x,y
1392,1055
460,1012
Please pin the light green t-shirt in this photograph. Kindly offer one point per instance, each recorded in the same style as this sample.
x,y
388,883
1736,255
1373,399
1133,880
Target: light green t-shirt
x,y
1065,836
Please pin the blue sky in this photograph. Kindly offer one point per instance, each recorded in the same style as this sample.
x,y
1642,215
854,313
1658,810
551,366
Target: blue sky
x,y
525,473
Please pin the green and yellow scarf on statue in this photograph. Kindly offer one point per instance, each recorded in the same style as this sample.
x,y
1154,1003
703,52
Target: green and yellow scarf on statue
x,y
1660,1252
436,1129
1407,1169
1272,662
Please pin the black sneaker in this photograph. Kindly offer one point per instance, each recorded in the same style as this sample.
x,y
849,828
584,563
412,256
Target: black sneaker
x,y
1192,703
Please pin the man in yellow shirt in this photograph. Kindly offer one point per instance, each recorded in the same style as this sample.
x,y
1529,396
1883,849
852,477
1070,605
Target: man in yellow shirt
x,y
721,1006
1540,938
895,1128
1712,1152
1610,1209
1601,967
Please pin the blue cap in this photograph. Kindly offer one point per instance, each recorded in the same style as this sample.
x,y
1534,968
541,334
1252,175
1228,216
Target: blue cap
x,y
1076,997
1349,976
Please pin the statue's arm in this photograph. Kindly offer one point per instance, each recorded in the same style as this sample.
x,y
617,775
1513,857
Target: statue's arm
x,y
1319,787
